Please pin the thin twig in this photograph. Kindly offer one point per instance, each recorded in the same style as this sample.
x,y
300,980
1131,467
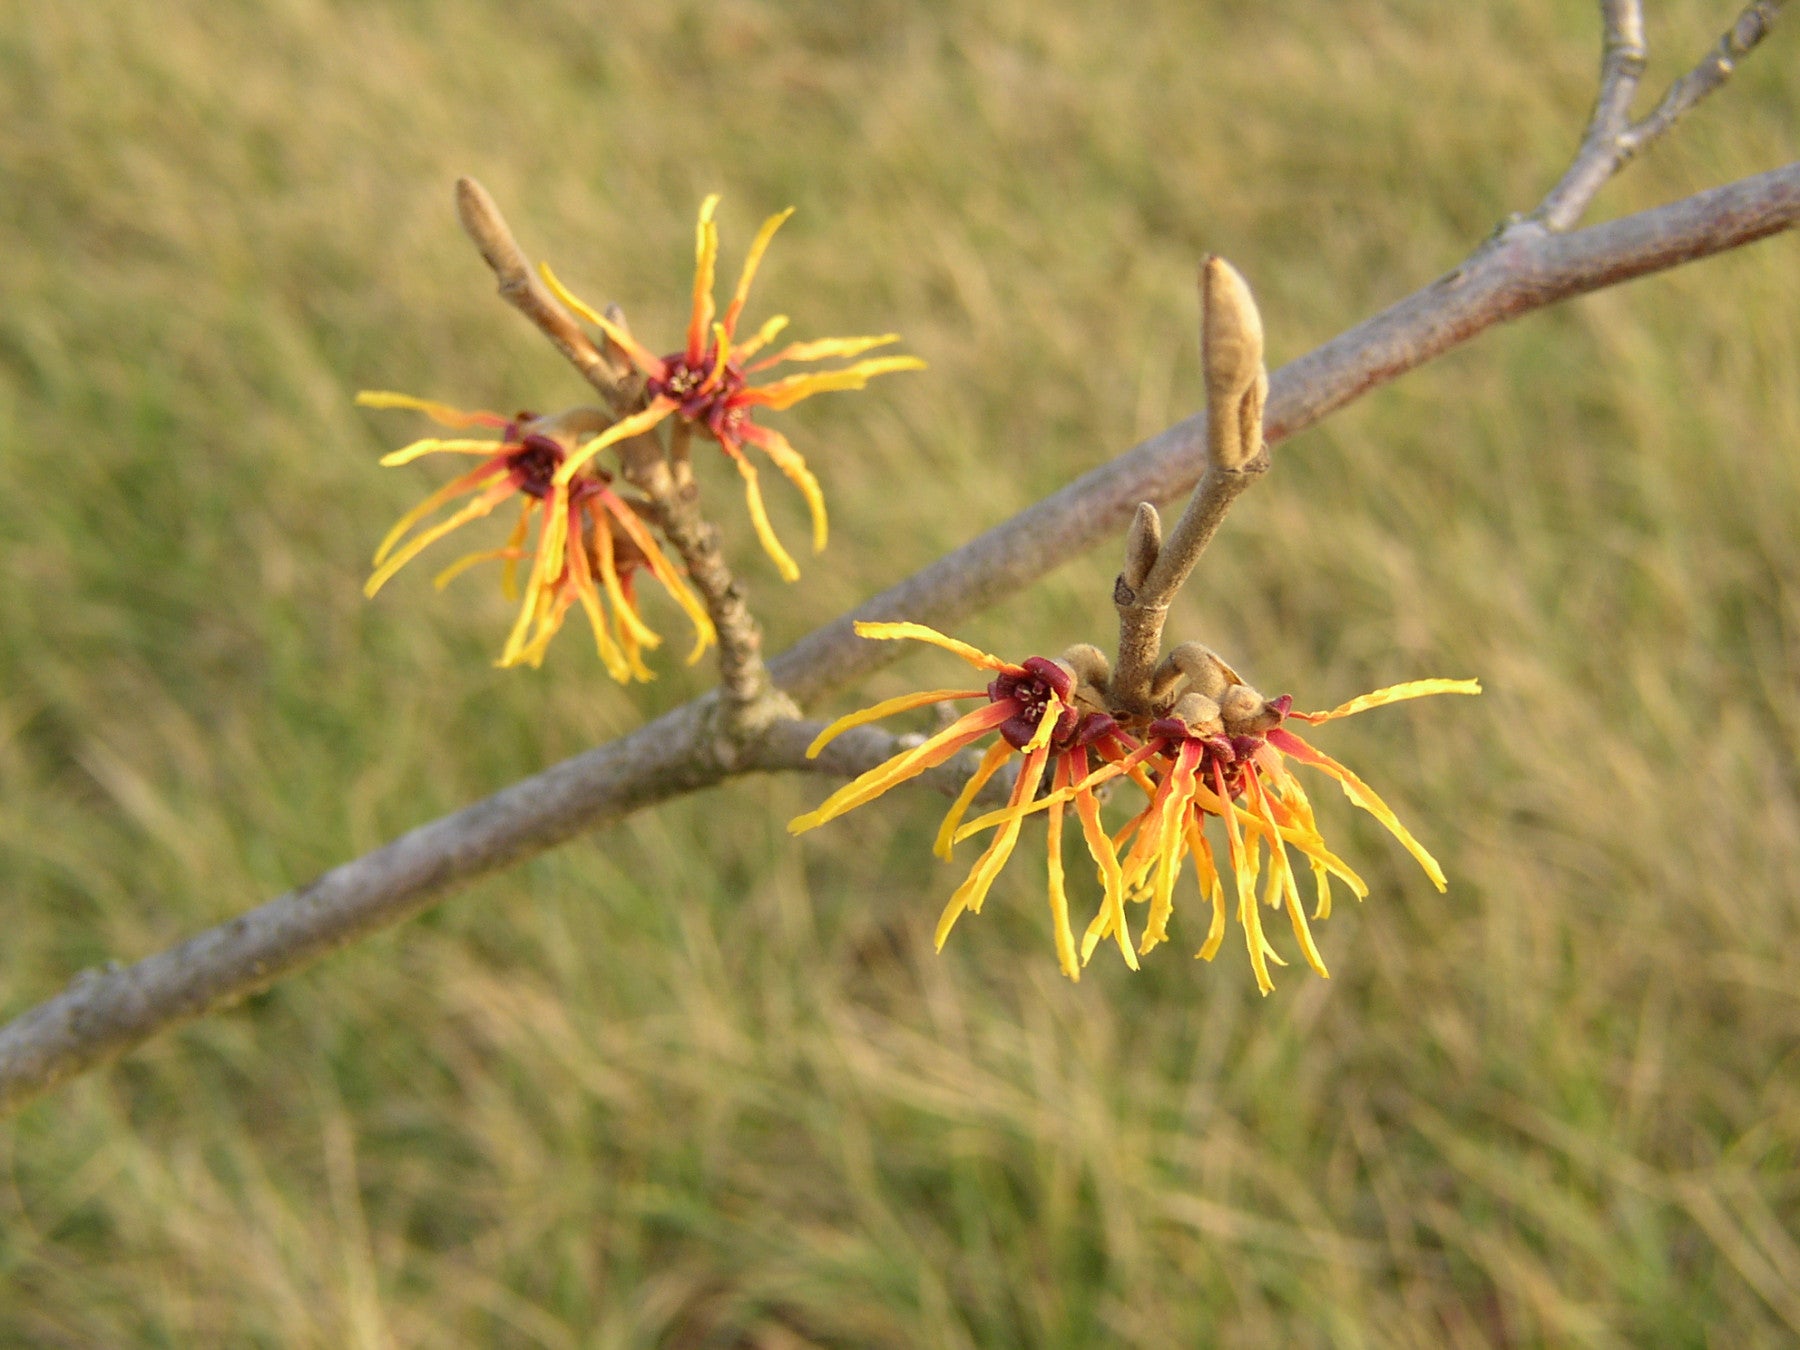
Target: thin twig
x,y
1612,139
105,1013
1715,68
520,288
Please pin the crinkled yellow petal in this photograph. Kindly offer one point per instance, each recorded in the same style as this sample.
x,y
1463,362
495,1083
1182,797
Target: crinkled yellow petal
x,y
515,544
468,560
433,445
641,356
823,349
425,538
1060,931
762,338
997,754
753,260
1283,888
624,429
907,764
1206,872
785,393
918,632
664,571
624,612
973,891
1363,795
1394,693
759,516
610,655
888,707
442,413
544,568
706,257
482,477
1112,881
788,460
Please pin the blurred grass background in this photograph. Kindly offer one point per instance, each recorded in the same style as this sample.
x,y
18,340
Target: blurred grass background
x,y
691,1084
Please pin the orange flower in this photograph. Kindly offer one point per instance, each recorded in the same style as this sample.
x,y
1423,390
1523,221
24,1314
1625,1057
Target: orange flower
x,y
705,384
1239,774
589,538
1033,708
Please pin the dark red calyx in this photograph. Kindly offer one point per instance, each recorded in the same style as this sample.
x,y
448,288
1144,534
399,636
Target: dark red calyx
x,y
534,464
685,386
1037,686
1282,706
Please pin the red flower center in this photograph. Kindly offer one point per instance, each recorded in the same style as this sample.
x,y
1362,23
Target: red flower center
x,y
1040,684
685,386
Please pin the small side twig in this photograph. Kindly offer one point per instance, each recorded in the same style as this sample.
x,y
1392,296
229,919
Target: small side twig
x,y
1612,139
1237,387
520,288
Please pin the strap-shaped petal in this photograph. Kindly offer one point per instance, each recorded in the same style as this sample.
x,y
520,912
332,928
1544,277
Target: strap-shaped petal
x,y
788,460
432,445
442,413
997,754
759,515
1363,795
752,260
641,356
1394,693
419,542
485,476
785,393
888,707
824,349
973,892
624,429
918,632
706,258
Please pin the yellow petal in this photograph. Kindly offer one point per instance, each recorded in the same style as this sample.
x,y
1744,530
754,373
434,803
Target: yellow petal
x,y
886,708
623,429
787,459
973,891
907,764
641,356
823,349
706,257
431,445
759,517
918,632
1364,796
664,571
1394,693
996,755
752,260
468,560
785,393
442,413
419,542
1059,896
763,337
485,476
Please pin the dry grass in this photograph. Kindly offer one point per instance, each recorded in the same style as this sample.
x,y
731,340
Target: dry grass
x,y
691,1084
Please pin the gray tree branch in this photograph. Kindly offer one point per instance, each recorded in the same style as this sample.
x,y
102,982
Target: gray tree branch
x,y
104,1013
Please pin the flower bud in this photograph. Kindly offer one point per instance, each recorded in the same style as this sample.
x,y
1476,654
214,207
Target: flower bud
x,y
1231,351
1142,544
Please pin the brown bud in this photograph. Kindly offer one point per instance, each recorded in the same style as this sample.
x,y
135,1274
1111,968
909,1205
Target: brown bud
x,y
1142,543
1089,664
1200,713
1246,712
1231,351
1206,672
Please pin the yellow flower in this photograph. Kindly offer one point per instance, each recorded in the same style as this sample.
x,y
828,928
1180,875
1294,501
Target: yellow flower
x,y
589,538
1233,766
1032,706
705,383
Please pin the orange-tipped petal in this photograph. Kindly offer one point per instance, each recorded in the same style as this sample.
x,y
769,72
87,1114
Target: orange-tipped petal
x,y
1059,896
664,571
1394,693
886,708
785,393
1207,873
1363,795
624,429
1111,879
432,445
759,515
918,632
762,337
997,754
752,260
903,766
706,258
788,460
515,544
441,413
419,542
485,476
973,892
824,349
641,356
468,560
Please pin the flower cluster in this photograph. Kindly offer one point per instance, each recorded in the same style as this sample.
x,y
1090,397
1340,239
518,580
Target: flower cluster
x,y
706,384
1222,758
590,540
